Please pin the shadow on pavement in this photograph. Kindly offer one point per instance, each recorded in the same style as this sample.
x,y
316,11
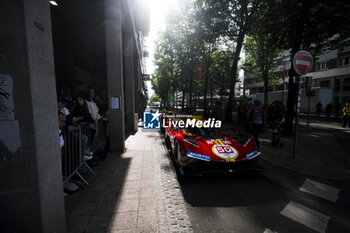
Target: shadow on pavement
x,y
220,190
95,206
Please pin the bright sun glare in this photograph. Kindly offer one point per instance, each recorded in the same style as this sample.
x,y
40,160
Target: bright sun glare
x,y
159,8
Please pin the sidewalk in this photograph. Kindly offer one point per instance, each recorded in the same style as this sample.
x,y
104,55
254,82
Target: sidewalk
x,y
130,192
324,152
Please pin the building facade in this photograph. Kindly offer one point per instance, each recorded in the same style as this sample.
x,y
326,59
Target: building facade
x,y
330,78
45,50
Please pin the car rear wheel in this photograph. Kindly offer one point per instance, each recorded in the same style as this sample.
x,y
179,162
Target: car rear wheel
x,y
176,154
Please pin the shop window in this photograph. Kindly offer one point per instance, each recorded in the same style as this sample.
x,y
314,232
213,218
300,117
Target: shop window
x,y
324,83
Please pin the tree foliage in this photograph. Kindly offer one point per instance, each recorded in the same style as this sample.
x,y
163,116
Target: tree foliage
x,y
211,34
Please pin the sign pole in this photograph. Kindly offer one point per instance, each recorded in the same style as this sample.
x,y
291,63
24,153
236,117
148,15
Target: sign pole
x,y
297,78
302,64
307,91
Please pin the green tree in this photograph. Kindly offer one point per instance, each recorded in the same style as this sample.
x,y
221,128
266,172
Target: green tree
x,y
238,18
155,98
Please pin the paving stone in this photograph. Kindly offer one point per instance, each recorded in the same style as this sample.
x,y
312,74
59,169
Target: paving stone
x,y
147,203
111,195
84,208
147,183
107,207
171,205
132,184
133,176
147,219
99,223
92,195
124,220
77,223
147,192
130,230
130,193
128,205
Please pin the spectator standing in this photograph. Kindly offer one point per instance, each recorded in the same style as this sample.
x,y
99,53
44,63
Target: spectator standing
x,y
279,111
80,110
256,120
346,112
92,107
318,109
329,109
93,110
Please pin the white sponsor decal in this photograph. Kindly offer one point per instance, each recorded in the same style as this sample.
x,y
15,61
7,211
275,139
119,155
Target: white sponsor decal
x,y
225,152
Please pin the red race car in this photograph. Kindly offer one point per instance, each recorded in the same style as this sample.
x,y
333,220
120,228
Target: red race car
x,y
201,150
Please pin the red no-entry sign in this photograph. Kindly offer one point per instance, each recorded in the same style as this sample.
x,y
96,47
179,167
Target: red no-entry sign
x,y
302,62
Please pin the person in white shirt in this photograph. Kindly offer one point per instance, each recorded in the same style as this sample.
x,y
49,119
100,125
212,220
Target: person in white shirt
x,y
93,110
92,107
61,104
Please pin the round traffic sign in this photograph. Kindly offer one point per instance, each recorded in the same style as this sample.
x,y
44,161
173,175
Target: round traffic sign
x,y
302,62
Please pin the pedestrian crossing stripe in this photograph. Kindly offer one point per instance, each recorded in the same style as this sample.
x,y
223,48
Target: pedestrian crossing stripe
x,y
306,216
320,190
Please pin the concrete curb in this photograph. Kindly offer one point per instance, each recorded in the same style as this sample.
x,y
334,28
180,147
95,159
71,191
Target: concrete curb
x,y
172,211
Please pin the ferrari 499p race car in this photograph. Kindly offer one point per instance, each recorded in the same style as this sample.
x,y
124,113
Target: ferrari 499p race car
x,y
201,150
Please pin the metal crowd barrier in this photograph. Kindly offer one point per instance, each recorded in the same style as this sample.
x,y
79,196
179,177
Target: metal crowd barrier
x,y
73,151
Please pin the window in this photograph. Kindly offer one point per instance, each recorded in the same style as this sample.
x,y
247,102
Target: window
x,y
322,66
325,49
324,83
337,84
346,86
344,61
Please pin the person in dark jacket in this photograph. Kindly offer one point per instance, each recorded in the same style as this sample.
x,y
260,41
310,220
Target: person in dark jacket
x,y
318,109
80,110
256,120
329,109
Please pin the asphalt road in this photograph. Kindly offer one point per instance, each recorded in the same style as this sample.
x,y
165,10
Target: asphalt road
x,y
274,200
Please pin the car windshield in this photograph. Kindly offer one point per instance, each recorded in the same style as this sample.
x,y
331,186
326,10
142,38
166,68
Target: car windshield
x,y
203,132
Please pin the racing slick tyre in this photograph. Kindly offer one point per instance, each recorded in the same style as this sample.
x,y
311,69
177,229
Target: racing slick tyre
x,y
168,145
178,169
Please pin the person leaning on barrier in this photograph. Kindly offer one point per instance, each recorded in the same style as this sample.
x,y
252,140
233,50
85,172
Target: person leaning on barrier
x,y
346,112
61,105
80,111
61,125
